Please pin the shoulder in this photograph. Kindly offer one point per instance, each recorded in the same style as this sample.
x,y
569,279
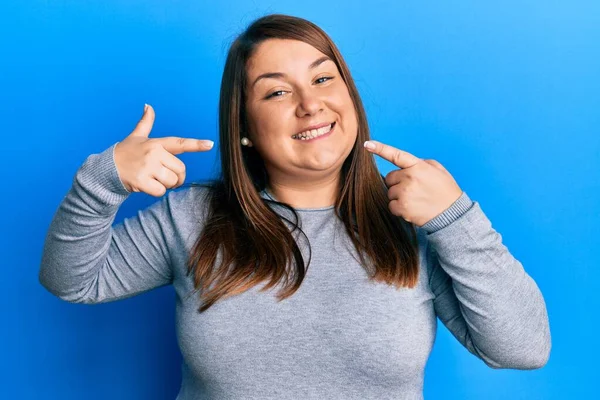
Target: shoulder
x,y
187,195
181,209
189,199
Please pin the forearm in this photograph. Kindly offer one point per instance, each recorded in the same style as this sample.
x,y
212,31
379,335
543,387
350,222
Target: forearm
x,y
79,236
503,311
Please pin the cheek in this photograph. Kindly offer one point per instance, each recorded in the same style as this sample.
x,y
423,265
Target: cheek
x,y
348,113
272,120
344,105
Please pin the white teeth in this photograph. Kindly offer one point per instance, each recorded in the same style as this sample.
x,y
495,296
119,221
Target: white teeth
x,y
313,133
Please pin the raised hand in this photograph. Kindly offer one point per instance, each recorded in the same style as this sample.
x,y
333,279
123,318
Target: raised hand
x,y
149,165
421,189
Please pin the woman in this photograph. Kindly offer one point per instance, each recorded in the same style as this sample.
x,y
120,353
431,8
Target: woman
x,y
299,188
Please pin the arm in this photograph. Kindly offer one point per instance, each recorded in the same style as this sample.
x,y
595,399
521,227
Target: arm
x,y
85,259
483,294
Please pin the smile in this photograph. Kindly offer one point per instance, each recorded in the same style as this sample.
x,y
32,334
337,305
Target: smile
x,y
315,134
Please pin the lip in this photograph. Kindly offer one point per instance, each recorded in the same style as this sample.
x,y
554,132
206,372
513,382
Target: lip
x,y
319,137
314,127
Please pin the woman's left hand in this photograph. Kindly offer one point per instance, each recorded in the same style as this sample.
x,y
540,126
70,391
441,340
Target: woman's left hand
x,y
421,189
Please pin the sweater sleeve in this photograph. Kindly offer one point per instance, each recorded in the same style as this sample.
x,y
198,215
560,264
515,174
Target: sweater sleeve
x,y
87,260
482,293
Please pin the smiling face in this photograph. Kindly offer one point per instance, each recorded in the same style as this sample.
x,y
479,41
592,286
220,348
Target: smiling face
x,y
292,87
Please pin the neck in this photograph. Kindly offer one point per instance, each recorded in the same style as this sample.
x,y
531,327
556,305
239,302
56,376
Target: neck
x,y
312,194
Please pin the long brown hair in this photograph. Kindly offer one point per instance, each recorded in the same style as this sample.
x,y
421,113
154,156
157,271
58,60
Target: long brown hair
x,y
251,241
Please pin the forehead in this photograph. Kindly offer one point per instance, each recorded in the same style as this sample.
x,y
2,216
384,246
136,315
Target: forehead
x,y
281,55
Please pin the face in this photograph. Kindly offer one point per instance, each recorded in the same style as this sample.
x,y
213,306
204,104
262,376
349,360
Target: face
x,y
291,88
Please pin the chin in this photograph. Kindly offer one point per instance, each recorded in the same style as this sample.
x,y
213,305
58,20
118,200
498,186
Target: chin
x,y
324,166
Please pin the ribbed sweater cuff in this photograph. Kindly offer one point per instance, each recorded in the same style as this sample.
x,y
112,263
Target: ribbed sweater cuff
x,y
99,176
451,214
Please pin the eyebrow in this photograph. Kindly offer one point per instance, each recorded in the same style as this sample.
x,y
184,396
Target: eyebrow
x,y
314,64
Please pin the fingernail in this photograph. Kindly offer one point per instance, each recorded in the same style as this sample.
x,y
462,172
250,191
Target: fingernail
x,y
369,145
210,143
145,107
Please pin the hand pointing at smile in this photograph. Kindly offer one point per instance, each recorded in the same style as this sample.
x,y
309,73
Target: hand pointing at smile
x,y
421,189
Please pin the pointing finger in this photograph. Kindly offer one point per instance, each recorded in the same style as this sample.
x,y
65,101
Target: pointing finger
x,y
399,158
178,145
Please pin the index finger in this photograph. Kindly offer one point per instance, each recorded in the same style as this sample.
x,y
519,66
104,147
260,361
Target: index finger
x,y
399,158
178,145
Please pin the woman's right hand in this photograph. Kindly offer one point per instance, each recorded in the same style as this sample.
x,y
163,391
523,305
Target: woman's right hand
x,y
149,165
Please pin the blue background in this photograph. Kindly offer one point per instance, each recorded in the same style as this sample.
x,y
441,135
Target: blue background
x,y
506,96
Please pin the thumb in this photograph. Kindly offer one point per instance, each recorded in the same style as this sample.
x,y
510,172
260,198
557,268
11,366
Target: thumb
x,y
144,126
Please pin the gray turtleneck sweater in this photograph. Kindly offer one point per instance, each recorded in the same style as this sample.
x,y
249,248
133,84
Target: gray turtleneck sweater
x,y
340,336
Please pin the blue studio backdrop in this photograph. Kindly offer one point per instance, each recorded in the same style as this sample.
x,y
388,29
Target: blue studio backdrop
x,y
506,95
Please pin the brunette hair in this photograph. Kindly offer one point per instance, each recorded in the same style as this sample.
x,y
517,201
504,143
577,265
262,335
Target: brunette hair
x,y
250,241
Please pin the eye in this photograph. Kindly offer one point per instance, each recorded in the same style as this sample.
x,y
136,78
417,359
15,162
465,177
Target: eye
x,y
324,77
273,94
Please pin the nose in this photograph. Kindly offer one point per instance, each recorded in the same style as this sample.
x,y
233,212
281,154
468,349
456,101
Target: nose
x,y
308,104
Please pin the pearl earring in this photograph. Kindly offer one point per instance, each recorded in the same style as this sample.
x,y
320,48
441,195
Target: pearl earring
x,y
245,141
